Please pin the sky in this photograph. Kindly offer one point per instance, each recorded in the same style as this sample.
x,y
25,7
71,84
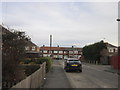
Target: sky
x,y
69,23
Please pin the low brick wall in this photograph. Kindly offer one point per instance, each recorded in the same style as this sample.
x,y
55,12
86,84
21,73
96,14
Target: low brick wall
x,y
35,80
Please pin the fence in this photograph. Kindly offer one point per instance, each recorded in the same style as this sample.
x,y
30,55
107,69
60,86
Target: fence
x,y
115,62
35,80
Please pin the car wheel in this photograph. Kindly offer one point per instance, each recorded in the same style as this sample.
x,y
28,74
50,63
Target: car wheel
x,y
80,70
66,70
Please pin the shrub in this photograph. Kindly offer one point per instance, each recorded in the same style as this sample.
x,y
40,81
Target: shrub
x,y
48,61
29,69
32,63
26,61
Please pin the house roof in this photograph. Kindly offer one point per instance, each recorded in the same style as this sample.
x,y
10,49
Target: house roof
x,y
110,45
30,43
58,48
6,31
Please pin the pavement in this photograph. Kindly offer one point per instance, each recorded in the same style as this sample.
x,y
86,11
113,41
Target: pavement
x,y
56,78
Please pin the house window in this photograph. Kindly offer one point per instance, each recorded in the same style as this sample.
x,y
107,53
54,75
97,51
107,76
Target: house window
x,y
60,51
116,50
110,50
70,52
55,51
33,48
45,55
76,52
45,51
27,48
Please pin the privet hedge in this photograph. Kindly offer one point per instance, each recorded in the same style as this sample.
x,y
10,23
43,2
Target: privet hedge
x,y
32,64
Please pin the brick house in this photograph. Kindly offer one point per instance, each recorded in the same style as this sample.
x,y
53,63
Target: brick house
x,y
31,47
32,50
112,49
108,53
61,52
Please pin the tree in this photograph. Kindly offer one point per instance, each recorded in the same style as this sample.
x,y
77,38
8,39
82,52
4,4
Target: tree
x,y
13,50
93,52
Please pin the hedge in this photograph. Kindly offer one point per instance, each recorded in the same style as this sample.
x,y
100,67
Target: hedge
x,y
32,64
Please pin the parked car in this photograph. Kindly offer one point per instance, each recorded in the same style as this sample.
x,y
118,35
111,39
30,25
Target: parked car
x,y
72,64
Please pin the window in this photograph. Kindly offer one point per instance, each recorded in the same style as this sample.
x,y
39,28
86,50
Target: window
x,y
76,52
45,51
70,52
111,50
33,48
27,48
60,51
55,51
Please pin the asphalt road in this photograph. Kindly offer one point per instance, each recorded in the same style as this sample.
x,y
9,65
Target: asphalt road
x,y
57,78
91,77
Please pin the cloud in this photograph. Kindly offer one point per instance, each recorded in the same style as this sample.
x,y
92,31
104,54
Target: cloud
x,y
69,23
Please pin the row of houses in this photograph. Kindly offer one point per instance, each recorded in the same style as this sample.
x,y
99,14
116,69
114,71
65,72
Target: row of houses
x,y
61,52
66,52
32,50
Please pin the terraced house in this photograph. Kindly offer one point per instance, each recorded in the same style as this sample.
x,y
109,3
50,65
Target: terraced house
x,y
61,52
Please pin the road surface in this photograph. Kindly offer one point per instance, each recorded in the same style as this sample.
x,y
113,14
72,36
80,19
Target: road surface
x,y
91,77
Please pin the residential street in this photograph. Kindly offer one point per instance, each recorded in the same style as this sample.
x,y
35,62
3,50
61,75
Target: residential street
x,y
93,76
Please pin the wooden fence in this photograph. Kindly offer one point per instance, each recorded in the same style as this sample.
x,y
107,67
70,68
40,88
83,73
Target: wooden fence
x,y
35,80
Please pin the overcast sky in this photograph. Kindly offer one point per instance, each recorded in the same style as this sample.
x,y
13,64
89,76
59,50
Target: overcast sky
x,y
70,23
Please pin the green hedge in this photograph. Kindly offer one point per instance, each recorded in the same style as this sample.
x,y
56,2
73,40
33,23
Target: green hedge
x,y
48,61
32,64
29,69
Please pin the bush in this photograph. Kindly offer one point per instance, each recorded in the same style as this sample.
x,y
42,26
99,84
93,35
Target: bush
x,y
25,61
48,61
29,69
